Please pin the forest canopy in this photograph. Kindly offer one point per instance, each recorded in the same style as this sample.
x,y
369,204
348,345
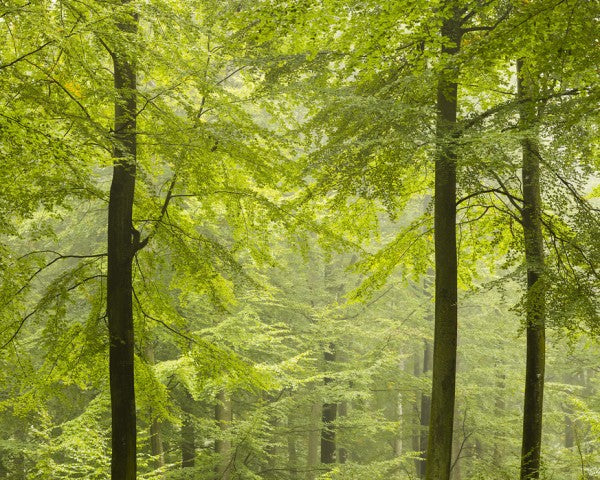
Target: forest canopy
x,y
300,240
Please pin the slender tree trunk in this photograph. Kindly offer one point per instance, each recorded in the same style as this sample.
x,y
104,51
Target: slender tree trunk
x,y
342,452
569,429
500,407
223,415
314,435
439,449
400,417
121,249
292,450
272,450
156,444
329,415
416,424
456,452
425,410
188,433
535,302
19,459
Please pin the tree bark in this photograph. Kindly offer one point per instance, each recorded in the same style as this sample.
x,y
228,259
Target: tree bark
x,y
156,444
500,407
342,452
223,415
399,417
121,250
439,449
314,435
535,301
188,433
425,411
329,415
416,424
292,450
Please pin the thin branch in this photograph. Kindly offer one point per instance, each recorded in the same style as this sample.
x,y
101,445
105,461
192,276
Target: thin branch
x,y
50,263
230,75
164,324
41,304
25,55
472,121
480,192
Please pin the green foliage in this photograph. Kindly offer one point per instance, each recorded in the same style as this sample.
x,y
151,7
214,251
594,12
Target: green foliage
x,y
285,172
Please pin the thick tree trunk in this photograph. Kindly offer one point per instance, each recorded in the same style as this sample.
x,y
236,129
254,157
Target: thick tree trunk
x,y
329,415
439,449
425,411
314,435
223,415
535,303
120,254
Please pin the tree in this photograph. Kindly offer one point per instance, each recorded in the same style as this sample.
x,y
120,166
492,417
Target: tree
x,y
535,302
123,243
439,446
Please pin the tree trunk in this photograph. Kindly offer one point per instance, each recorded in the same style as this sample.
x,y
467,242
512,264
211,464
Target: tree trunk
x,y
416,424
342,452
400,417
314,435
328,417
223,415
121,249
500,407
535,302
188,433
292,450
569,430
439,449
425,411
156,445
19,459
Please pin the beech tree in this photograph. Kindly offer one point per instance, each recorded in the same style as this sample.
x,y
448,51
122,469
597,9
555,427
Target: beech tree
x,y
221,224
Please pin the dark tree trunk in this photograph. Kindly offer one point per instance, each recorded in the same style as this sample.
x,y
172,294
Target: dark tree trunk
x,y
121,249
425,411
535,302
439,449
329,415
